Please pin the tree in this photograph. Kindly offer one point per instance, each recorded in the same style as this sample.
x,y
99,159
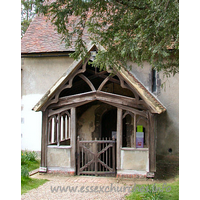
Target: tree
x,y
135,31
27,14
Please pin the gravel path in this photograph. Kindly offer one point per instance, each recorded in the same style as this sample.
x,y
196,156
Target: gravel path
x,y
80,187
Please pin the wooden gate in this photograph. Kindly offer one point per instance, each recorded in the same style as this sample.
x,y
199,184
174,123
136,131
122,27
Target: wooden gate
x,y
96,157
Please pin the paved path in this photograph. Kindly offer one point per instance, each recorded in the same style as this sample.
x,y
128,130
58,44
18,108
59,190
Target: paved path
x,y
80,187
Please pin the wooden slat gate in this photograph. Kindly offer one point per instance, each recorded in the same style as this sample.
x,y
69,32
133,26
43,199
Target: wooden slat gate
x,y
96,157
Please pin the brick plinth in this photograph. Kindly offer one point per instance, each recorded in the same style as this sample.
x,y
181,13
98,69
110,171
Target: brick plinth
x,y
135,176
67,173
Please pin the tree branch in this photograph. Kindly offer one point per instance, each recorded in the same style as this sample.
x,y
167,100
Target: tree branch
x,y
135,7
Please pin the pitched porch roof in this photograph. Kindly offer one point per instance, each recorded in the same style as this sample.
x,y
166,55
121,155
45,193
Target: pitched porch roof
x,y
155,105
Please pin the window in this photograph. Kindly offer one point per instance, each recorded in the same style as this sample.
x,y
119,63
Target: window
x,y
135,131
141,132
59,129
128,131
154,80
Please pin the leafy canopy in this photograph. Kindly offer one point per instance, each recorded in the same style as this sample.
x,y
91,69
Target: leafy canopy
x,y
27,13
135,31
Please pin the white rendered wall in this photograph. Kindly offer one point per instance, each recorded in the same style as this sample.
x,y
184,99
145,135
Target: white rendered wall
x,y
30,124
37,76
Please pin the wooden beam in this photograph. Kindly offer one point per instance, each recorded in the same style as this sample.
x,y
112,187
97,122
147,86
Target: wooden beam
x,y
124,84
142,113
115,98
65,108
44,140
134,130
55,129
95,157
123,102
78,156
77,98
104,82
113,153
73,138
119,137
59,130
98,95
152,150
87,81
113,80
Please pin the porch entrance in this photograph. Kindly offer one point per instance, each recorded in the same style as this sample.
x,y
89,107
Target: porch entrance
x,y
80,104
109,124
96,157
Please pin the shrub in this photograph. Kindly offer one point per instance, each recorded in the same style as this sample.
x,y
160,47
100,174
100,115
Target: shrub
x,y
23,158
24,171
28,156
31,156
157,191
153,193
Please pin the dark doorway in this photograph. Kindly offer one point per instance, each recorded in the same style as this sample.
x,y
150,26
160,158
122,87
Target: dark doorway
x,y
109,123
108,128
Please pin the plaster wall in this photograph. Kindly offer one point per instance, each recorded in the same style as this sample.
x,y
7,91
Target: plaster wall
x,y
37,76
58,157
135,160
167,124
142,73
30,123
86,123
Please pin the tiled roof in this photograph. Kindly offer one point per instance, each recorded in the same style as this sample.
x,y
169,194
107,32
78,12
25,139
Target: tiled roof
x,y
41,36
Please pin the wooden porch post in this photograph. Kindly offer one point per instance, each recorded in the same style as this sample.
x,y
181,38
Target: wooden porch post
x,y
73,138
152,143
119,137
43,164
134,130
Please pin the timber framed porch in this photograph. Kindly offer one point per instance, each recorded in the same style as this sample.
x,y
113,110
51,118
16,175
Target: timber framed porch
x,y
82,90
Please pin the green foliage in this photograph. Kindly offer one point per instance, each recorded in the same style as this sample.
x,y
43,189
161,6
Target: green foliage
x,y
28,160
147,192
156,191
28,156
174,193
24,171
24,25
30,183
29,163
152,194
27,13
137,30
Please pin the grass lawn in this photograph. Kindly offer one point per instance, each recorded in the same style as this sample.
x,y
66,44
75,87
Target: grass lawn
x,y
30,183
157,191
29,163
